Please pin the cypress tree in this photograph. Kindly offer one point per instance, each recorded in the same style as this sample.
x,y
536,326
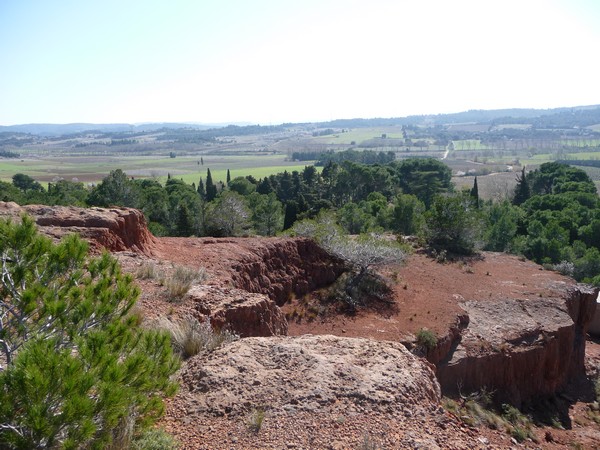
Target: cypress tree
x,y
475,193
228,177
211,188
291,214
201,191
522,192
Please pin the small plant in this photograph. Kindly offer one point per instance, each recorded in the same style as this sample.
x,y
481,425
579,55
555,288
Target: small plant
x,y
440,256
181,281
256,419
564,267
147,271
521,424
155,439
370,443
189,336
426,339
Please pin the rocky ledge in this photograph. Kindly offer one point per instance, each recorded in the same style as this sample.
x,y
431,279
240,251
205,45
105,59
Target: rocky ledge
x,y
114,229
518,348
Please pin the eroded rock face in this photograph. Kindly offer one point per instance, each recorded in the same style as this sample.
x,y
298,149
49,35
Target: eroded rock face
x,y
245,313
115,229
520,348
286,267
309,373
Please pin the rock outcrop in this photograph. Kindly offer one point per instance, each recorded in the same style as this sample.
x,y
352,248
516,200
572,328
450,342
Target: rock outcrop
x,y
309,374
519,348
245,313
115,229
284,267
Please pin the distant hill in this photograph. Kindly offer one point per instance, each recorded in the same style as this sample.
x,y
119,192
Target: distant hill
x,y
552,118
567,117
49,129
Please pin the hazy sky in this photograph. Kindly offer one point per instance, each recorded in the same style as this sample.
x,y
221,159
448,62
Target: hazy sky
x,y
274,61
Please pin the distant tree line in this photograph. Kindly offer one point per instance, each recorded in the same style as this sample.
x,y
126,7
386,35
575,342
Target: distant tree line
x,y
363,157
553,217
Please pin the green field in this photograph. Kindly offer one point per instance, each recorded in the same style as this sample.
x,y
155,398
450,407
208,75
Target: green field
x,y
92,169
469,145
221,174
359,135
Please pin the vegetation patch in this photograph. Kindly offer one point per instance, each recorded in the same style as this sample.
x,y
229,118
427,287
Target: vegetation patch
x,y
190,336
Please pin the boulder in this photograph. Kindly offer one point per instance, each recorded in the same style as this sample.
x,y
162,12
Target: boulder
x,y
309,374
244,313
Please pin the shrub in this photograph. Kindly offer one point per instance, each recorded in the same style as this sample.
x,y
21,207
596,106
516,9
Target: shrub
x,y
426,339
453,224
155,439
181,280
146,271
361,254
80,371
189,336
255,422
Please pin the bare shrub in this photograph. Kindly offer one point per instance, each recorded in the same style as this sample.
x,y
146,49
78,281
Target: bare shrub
x,y
565,267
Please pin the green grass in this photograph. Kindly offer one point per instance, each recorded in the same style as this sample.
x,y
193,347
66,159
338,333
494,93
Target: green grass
x,y
221,174
469,145
92,169
359,135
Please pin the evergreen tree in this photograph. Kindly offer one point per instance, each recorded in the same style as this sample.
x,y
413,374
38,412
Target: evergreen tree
x,y
211,188
475,193
115,189
79,370
291,214
201,191
522,191
228,177
185,224
267,215
264,186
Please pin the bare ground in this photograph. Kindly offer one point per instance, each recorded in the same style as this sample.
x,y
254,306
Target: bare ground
x,y
427,295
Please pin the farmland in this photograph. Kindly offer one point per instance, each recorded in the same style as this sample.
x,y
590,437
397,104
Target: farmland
x,y
487,144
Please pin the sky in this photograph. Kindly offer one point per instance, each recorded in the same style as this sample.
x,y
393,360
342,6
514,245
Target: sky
x,y
276,61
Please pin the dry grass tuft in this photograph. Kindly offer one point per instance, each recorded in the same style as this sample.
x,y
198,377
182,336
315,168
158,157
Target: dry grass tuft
x,y
190,336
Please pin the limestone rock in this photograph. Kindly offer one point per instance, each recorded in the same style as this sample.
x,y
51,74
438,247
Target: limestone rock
x,y
309,373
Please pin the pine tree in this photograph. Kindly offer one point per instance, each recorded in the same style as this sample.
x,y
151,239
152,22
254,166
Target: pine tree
x,y
211,188
79,368
522,191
